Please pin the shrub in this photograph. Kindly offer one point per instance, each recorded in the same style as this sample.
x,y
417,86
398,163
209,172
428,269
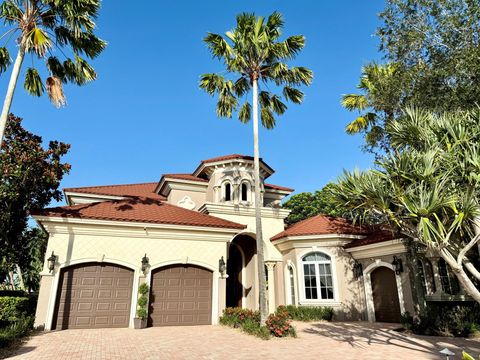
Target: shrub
x,y
21,327
234,317
142,301
279,323
252,327
407,321
309,313
445,319
13,308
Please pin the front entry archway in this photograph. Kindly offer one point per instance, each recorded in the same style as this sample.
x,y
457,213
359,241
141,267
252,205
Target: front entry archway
x,y
385,295
241,270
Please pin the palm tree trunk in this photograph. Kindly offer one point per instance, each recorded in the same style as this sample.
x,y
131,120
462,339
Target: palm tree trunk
x,y
10,90
258,207
20,277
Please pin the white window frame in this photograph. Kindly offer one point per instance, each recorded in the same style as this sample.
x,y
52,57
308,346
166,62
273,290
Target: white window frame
x,y
249,192
302,299
288,283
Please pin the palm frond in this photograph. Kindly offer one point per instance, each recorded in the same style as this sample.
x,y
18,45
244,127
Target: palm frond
x,y
353,102
245,113
33,83
5,60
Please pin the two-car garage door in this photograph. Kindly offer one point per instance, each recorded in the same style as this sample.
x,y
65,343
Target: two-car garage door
x,y
99,295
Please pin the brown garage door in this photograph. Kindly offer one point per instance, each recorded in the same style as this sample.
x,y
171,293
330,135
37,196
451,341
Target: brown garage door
x,y
385,295
93,295
181,295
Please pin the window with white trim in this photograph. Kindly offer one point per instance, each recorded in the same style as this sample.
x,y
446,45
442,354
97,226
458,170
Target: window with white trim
x,y
448,281
244,192
317,276
291,279
227,192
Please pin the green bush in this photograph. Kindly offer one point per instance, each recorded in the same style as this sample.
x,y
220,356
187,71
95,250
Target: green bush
x,y
252,327
444,319
309,313
16,330
142,301
13,308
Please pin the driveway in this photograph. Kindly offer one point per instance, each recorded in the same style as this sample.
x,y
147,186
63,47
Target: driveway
x,y
315,341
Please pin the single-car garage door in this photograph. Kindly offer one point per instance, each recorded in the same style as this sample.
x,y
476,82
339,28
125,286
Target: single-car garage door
x,y
181,295
93,295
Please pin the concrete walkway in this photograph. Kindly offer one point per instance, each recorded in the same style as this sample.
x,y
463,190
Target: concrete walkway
x,y
315,341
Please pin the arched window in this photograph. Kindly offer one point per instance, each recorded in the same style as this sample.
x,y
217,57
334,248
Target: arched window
x,y
227,192
291,283
449,283
244,192
421,273
317,275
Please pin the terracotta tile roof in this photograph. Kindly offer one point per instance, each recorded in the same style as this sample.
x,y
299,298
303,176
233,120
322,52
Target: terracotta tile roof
x,y
321,225
228,157
184,177
374,237
278,187
127,190
139,209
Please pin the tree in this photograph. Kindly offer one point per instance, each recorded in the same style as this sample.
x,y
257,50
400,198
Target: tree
x,y
253,53
39,27
377,103
307,204
433,47
29,179
427,187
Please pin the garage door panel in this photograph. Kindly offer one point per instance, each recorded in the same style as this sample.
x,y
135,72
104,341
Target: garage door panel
x,y
89,297
181,295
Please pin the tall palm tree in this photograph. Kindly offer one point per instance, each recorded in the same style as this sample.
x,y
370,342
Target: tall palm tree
x,y
253,57
41,28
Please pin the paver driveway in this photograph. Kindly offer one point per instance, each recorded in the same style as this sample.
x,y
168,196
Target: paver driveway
x,y
315,341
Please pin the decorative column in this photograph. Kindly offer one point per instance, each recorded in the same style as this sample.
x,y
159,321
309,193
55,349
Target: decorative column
x,y
271,286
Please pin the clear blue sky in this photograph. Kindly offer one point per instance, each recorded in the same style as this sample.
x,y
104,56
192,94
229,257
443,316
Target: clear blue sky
x,y
145,115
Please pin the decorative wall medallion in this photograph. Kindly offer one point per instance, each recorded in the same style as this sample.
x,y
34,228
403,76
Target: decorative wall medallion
x,y
186,203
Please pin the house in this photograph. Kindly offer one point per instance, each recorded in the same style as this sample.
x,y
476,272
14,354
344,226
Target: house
x,y
175,235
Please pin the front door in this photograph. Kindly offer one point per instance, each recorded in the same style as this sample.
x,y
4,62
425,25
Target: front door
x,y
385,295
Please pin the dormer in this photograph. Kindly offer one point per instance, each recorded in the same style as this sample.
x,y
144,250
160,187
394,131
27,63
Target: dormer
x,y
227,180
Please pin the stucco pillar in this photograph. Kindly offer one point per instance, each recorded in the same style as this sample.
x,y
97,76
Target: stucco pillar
x,y
271,286
222,294
43,303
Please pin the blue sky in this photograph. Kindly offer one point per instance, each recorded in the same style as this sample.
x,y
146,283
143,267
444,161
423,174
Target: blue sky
x,y
145,115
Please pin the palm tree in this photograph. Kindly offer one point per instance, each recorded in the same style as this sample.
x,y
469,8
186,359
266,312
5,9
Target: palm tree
x,y
252,53
40,27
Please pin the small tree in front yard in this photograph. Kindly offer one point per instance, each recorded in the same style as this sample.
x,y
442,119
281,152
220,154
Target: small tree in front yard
x,y
427,186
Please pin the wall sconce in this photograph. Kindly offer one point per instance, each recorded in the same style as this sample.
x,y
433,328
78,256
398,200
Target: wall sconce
x,y
357,270
51,262
145,264
397,265
221,266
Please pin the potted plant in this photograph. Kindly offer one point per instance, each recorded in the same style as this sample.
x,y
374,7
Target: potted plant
x,y
140,321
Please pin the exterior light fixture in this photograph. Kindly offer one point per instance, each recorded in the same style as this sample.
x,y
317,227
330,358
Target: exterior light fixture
x,y
221,266
51,262
145,263
447,352
397,265
357,270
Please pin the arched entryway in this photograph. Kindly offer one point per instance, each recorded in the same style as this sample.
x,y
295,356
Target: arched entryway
x,y
385,295
241,270
93,295
180,294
